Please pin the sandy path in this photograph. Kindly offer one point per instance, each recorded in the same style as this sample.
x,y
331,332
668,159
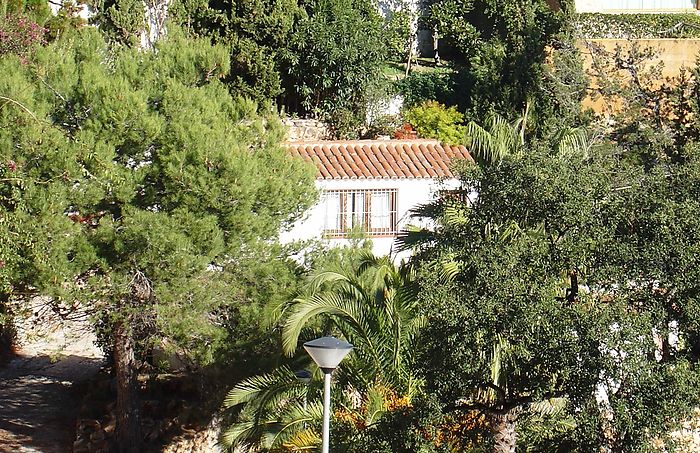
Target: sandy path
x,y
39,389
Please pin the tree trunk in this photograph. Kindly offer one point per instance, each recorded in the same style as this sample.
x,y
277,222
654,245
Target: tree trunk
x,y
504,434
128,417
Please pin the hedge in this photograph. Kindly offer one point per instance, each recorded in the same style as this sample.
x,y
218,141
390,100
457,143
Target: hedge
x,y
637,26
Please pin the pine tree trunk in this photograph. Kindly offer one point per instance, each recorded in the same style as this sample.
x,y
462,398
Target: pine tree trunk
x,y
504,434
128,419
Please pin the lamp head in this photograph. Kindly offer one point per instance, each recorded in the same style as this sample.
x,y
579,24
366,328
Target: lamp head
x,y
327,352
303,376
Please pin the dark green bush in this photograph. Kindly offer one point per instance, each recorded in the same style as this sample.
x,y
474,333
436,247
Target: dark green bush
x,y
419,87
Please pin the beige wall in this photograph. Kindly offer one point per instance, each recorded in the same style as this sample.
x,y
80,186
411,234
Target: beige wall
x,y
674,53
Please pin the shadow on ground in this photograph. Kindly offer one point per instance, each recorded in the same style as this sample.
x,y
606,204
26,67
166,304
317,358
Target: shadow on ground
x,y
40,400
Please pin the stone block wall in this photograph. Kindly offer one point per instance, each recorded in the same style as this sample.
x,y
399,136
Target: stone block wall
x,y
306,130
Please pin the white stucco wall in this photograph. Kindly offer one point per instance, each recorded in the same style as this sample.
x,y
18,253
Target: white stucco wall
x,y
409,194
634,6
85,12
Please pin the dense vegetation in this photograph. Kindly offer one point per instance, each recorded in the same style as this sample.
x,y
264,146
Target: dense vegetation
x,y
552,306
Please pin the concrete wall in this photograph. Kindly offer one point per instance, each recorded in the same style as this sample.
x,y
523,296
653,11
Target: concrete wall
x,y
674,53
409,194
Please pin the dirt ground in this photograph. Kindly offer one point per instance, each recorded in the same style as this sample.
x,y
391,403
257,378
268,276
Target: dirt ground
x,y
40,388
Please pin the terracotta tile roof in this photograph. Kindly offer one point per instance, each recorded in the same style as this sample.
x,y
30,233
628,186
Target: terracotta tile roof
x,y
390,159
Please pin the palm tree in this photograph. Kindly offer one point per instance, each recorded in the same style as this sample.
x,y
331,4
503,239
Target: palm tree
x,y
499,138
275,413
374,306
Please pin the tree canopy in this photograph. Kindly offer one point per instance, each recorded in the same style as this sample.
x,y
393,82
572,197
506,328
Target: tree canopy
x,y
567,272
135,183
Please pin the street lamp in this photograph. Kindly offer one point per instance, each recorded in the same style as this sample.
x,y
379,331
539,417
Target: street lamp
x,y
327,352
304,376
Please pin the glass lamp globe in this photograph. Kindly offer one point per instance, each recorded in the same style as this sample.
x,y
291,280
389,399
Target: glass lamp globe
x,y
327,352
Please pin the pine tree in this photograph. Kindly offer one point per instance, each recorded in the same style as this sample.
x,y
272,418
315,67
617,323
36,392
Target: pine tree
x,y
132,182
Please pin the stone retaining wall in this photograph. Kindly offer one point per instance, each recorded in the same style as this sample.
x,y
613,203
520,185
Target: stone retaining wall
x,y
306,130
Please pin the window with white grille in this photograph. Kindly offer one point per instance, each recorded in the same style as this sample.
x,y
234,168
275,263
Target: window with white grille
x,y
372,211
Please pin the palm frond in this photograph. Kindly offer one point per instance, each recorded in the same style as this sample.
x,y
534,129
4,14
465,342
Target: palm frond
x,y
412,236
574,142
290,421
327,304
238,433
303,440
262,388
549,407
500,140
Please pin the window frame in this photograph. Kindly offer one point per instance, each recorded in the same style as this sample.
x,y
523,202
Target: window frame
x,y
346,223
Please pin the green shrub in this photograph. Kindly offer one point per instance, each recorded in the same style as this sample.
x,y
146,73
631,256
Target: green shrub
x,y
433,120
419,87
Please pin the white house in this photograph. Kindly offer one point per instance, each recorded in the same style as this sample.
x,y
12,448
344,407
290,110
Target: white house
x,y
371,185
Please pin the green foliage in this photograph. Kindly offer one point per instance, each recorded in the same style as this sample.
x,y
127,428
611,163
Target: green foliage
x,y
311,58
553,282
500,50
120,20
414,429
419,87
275,412
366,300
66,20
334,60
637,26
398,34
373,307
35,10
433,120
128,164
259,33
548,430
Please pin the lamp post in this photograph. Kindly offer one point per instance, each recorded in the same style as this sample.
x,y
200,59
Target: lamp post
x,y
304,376
327,352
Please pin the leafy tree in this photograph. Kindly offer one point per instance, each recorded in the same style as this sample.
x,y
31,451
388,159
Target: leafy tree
x,y
334,61
501,50
419,87
134,183
553,297
653,117
399,32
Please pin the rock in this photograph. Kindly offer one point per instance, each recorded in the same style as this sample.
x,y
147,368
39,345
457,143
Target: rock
x,y
97,436
110,426
80,446
91,425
